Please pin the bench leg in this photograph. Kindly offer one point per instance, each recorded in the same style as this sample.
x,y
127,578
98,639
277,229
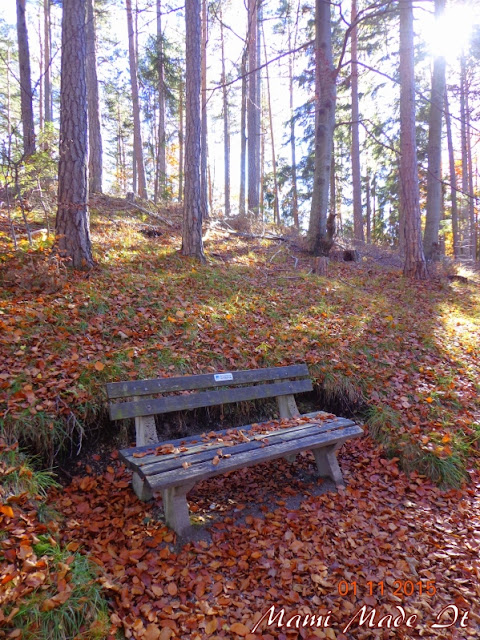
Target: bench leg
x,y
291,457
327,464
141,488
175,508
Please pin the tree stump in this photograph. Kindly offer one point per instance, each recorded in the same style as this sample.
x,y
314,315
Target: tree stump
x,y
320,266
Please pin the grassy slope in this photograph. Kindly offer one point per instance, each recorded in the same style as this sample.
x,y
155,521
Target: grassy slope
x,y
410,350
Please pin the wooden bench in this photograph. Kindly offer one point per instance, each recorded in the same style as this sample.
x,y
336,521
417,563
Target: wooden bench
x,y
173,467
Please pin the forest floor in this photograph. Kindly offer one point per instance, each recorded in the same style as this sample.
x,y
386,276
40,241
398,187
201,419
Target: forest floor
x,y
401,356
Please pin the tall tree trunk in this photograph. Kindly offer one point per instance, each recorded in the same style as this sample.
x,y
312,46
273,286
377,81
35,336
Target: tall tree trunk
x,y
253,110
26,93
161,168
243,135
291,63
434,150
276,204
453,179
369,211
321,230
471,196
72,226
192,244
47,93
356,171
181,144
137,130
464,218
204,136
95,165
41,59
226,125
415,265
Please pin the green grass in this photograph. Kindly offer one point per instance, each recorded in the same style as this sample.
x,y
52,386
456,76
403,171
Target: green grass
x,y
21,477
84,616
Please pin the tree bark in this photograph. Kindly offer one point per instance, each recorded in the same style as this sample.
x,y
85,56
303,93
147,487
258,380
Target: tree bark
x,y
95,165
471,195
434,151
453,179
243,136
72,226
356,171
192,244
137,130
204,152
320,238
161,168
276,204
464,217
47,93
369,211
253,110
181,144
291,63
226,125
26,93
415,265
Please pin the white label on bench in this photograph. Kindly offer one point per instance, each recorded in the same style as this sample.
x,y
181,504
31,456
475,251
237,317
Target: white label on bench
x,y
222,377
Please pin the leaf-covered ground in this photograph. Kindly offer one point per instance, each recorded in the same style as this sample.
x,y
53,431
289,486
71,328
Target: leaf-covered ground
x,y
385,532
407,354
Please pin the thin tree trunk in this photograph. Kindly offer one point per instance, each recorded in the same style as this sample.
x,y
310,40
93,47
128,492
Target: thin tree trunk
x,y
434,151
95,165
321,230
192,244
181,162
276,208
369,211
226,125
72,225
137,131
41,59
161,168
453,179
356,171
26,93
243,135
464,218
210,188
415,265
47,94
262,173
471,196
204,134
253,110
291,63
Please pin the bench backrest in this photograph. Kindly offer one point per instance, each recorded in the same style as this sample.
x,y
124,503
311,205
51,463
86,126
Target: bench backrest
x,y
275,381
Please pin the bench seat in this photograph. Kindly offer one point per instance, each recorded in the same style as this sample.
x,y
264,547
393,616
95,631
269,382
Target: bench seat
x,y
173,467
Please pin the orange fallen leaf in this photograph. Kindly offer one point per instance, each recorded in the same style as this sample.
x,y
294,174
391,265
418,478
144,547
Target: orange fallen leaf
x,y
7,510
99,366
240,629
152,632
172,589
216,460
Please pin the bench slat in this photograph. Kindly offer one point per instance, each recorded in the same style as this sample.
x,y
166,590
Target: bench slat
x,y
197,438
204,470
206,399
203,381
196,455
203,445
